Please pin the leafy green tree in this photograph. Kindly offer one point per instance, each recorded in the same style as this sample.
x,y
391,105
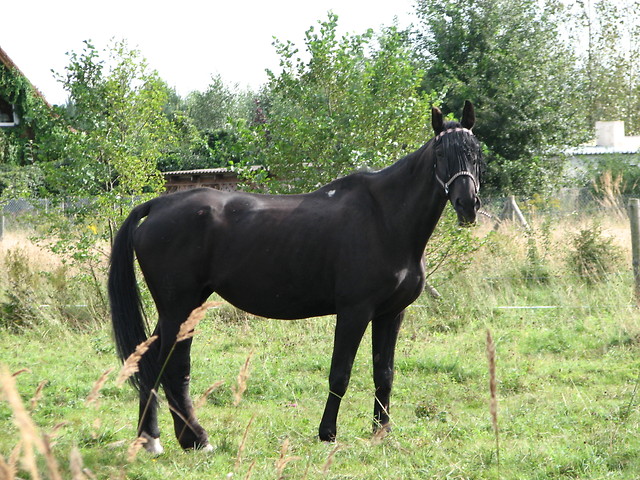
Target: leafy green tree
x,y
354,103
118,127
509,57
212,127
212,109
607,36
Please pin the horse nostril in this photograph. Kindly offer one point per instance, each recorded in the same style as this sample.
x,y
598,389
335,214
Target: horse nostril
x,y
466,204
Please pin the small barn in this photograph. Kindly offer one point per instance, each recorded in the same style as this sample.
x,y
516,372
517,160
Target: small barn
x,y
225,179
219,178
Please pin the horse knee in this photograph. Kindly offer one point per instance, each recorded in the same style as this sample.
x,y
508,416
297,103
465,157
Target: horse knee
x,y
338,384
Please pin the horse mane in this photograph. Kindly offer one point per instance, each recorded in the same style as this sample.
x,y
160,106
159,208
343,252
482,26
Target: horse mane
x,y
460,145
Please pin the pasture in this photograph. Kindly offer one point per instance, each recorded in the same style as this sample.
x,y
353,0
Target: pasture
x,y
567,380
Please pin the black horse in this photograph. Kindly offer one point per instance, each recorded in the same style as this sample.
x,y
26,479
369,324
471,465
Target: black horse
x,y
352,248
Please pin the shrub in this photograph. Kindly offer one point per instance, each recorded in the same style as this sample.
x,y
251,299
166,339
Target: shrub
x,y
18,306
593,255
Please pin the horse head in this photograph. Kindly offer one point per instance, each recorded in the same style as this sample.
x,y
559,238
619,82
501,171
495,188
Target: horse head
x,y
458,159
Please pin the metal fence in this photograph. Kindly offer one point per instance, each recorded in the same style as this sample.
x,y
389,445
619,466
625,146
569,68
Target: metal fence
x,y
21,213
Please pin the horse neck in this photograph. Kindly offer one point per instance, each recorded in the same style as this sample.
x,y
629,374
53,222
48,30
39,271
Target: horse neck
x,y
411,198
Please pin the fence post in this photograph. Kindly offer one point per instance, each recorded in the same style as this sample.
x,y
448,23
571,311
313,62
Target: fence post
x,y
634,219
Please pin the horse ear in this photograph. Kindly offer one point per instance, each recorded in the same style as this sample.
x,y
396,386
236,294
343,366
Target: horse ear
x,y
468,115
436,120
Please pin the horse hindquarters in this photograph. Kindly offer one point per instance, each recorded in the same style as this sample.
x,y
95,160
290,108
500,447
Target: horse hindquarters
x,y
175,301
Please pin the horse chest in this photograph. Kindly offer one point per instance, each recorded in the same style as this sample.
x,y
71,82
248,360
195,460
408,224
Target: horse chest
x,y
407,279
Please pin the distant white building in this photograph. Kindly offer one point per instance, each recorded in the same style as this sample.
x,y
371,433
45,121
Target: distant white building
x,y
610,138
610,141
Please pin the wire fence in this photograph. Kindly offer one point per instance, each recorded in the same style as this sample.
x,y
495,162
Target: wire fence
x,y
21,213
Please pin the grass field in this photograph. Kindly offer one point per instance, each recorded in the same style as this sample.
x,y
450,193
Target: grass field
x,y
567,385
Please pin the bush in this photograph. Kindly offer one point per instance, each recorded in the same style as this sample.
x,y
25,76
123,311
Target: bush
x,y
593,256
36,297
19,306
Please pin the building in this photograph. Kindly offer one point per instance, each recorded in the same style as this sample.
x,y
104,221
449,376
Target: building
x,y
610,138
225,179
9,115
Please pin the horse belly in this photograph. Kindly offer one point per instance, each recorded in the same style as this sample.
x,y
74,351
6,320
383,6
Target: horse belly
x,y
277,301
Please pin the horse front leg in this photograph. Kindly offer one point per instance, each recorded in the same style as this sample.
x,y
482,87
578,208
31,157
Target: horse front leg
x,y
384,335
348,334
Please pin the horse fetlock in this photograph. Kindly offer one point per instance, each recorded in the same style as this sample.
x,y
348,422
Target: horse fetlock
x,y
152,444
381,428
194,440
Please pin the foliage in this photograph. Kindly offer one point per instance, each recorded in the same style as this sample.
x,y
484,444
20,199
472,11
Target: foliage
x,y
593,255
622,169
213,128
451,248
37,297
119,127
36,138
18,309
509,58
20,181
536,269
213,109
353,104
606,35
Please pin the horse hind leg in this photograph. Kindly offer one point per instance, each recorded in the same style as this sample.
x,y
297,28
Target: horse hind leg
x,y
175,381
350,327
384,335
149,371
176,375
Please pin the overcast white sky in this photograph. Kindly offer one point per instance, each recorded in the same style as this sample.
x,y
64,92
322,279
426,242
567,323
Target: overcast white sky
x,y
186,41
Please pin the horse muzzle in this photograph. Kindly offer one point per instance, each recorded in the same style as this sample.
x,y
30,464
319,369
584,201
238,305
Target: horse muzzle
x,y
467,211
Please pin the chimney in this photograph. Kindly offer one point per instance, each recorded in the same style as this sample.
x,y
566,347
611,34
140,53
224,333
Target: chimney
x,y
610,134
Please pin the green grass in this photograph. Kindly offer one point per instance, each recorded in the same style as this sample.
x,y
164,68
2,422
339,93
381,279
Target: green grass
x,y
568,381
566,390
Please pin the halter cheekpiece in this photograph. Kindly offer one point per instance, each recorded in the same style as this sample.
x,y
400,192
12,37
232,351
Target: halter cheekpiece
x,y
462,173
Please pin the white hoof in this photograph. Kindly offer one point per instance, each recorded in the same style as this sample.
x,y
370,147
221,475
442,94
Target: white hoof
x,y
152,445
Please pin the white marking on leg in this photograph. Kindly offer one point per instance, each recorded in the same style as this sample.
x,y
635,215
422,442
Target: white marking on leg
x,y
152,445
208,448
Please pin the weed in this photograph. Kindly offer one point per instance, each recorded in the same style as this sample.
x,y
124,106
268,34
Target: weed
x,y
19,307
594,256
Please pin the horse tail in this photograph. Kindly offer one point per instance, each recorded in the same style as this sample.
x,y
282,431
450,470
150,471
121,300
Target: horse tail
x,y
127,315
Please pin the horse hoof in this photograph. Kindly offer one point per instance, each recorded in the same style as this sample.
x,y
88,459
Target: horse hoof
x,y
152,445
208,448
329,437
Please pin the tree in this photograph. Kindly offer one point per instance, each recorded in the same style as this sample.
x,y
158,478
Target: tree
x,y
212,127
118,129
509,57
355,103
607,36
